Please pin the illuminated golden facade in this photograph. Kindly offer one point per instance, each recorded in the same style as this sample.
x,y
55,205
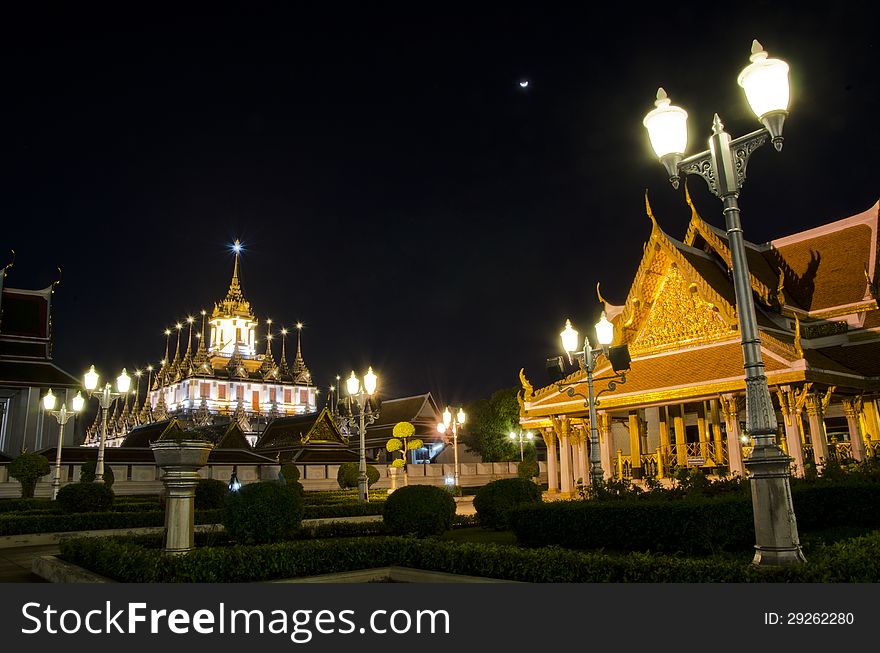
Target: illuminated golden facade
x,y
682,403
224,379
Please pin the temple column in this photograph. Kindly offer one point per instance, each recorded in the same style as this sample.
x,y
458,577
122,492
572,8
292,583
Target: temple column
x,y
816,405
606,445
852,408
582,453
703,432
730,410
715,421
561,424
681,454
664,435
552,472
870,424
635,444
791,410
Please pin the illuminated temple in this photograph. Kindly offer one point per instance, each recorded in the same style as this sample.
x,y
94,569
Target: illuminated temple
x,y
682,404
221,378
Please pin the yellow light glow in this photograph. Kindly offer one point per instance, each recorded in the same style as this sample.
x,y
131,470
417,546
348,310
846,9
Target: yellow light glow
x,y
667,126
461,416
90,381
441,427
569,337
49,400
353,384
447,417
299,325
78,402
123,382
604,331
370,381
765,82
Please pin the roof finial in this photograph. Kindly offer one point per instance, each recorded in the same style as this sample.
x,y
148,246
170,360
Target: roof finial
x,y
654,225
602,300
234,293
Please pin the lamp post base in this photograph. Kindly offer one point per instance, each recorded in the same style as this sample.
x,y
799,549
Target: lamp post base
x,y
776,536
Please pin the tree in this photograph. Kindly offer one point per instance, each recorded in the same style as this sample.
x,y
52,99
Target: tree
x,y
401,441
27,469
489,423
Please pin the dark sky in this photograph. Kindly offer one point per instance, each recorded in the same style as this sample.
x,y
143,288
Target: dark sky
x,y
395,188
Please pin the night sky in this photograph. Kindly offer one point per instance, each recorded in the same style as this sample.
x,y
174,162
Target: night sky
x,y
394,186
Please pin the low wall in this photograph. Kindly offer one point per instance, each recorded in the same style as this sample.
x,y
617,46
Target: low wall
x,y
144,479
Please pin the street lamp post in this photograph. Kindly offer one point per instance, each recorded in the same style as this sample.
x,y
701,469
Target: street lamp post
x,y
361,407
528,436
450,421
105,397
570,342
62,417
723,167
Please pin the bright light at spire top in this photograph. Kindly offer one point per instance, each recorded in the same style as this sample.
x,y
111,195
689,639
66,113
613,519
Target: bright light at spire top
x,y
236,246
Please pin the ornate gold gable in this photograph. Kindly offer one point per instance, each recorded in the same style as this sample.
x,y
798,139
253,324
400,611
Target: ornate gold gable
x,y
324,430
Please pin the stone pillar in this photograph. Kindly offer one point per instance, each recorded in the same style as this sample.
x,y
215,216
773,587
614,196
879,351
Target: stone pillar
x,y
561,424
606,446
703,432
180,462
852,408
816,406
583,467
730,410
870,421
552,473
635,444
681,455
791,409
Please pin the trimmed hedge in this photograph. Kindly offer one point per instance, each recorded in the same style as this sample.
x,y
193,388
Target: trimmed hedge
x,y
139,560
495,500
329,511
211,494
16,505
85,497
420,510
87,473
693,526
262,512
92,521
348,474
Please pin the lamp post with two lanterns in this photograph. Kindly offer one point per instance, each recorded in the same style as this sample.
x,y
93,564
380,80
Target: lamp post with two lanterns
x,y
450,421
62,416
571,343
723,167
528,436
360,408
105,397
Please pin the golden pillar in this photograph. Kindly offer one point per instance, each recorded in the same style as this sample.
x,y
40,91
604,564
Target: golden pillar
x,y
715,421
606,446
703,432
681,454
852,408
870,420
791,403
635,443
664,434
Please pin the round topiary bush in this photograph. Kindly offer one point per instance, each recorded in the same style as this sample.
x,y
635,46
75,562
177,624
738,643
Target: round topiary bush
x,y
494,501
347,476
420,510
27,469
85,497
290,472
211,494
262,512
87,473
528,469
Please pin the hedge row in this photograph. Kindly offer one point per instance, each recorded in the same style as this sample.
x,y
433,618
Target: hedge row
x,y
328,511
694,527
15,505
92,521
129,560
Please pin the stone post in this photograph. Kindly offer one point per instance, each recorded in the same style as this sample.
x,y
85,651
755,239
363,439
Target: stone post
x,y
852,408
635,444
730,410
816,406
681,454
180,462
564,456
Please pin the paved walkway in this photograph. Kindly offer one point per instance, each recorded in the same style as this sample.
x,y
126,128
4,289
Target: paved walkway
x,y
15,564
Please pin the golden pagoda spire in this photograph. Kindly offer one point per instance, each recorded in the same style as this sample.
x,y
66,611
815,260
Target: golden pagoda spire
x,y
268,367
234,293
300,372
174,371
186,363
145,414
283,370
137,396
200,365
163,370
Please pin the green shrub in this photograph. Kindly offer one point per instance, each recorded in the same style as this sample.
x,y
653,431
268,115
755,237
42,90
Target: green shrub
x,y
140,560
419,510
17,505
329,511
87,473
211,494
347,476
494,501
27,469
290,473
92,521
528,469
262,512
85,497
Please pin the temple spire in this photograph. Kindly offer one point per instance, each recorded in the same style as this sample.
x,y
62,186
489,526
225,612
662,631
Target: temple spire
x,y
234,293
300,372
175,371
282,366
145,416
162,375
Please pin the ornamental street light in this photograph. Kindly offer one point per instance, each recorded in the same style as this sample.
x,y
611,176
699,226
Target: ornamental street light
x,y
619,362
361,408
62,417
450,421
105,397
723,167
528,435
